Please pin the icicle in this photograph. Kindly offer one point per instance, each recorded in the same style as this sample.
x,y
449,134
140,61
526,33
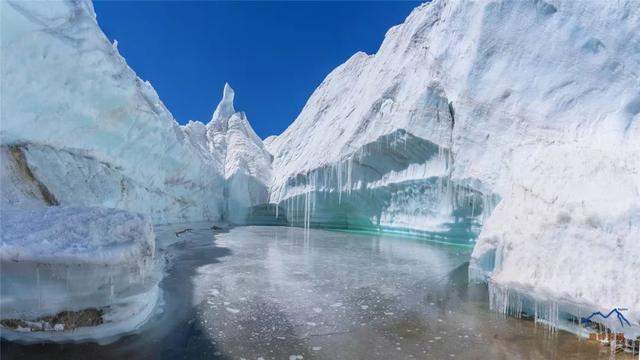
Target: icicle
x,y
339,174
38,286
306,210
349,168
110,284
473,206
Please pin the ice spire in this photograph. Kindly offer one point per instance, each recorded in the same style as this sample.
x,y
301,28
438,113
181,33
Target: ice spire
x,y
224,110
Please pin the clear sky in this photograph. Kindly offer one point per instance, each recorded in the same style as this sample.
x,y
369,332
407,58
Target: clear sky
x,y
274,54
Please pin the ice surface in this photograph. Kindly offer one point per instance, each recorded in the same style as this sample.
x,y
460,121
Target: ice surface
x,y
355,295
377,294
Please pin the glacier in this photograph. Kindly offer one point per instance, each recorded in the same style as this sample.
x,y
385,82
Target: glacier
x,y
524,118
511,123
89,158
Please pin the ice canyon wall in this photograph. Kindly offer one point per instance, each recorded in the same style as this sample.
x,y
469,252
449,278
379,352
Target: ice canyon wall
x,y
80,128
532,106
89,159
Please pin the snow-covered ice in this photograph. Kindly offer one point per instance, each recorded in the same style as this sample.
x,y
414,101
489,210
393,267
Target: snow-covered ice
x,y
57,259
531,104
87,126
247,164
75,235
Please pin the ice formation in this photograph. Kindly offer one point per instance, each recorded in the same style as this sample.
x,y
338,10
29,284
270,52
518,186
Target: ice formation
x,y
76,259
532,106
516,122
247,164
80,137
83,126
89,139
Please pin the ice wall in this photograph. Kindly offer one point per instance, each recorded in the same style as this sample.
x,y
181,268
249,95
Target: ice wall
x,y
536,104
87,128
81,136
382,160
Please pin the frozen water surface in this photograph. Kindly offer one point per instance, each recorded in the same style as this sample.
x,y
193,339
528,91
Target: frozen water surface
x,y
285,293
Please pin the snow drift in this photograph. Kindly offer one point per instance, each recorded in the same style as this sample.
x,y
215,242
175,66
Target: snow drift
x,y
530,103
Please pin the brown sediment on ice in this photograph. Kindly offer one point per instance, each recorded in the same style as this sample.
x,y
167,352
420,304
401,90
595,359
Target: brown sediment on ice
x,y
65,320
17,153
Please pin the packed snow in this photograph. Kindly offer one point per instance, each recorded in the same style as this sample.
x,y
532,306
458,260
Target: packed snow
x,y
75,234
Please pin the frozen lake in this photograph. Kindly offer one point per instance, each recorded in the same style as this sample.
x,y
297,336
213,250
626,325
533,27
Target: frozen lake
x,y
290,293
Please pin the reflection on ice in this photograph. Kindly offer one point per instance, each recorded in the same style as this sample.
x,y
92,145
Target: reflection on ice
x,y
280,293
324,294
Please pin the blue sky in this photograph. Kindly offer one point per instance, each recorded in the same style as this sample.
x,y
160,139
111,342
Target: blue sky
x,y
274,54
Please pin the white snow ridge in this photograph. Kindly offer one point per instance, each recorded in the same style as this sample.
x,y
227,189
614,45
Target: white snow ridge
x,y
512,123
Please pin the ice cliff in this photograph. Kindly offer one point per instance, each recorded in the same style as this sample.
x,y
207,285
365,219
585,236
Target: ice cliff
x,y
84,126
89,159
76,273
532,106
79,128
